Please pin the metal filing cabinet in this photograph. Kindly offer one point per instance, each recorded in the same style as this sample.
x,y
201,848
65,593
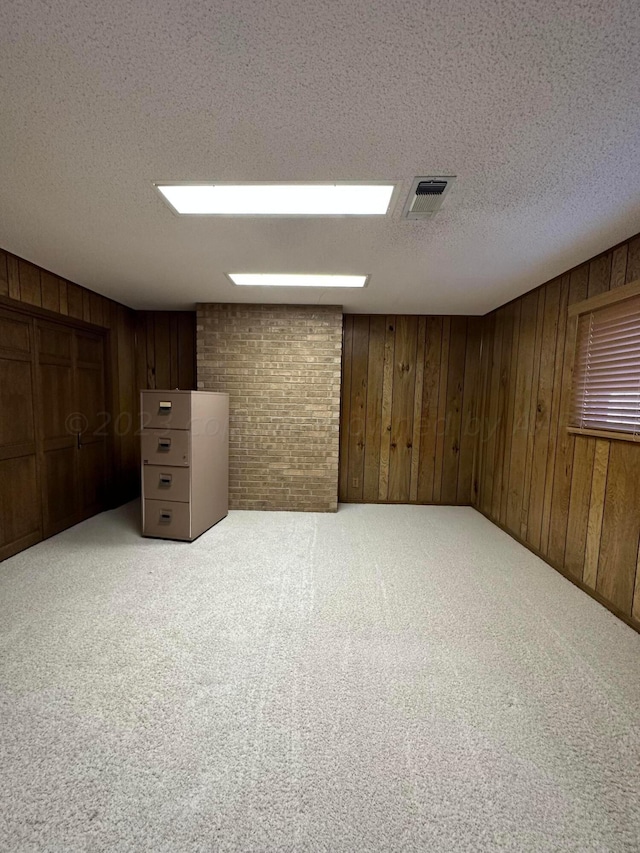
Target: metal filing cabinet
x,y
185,462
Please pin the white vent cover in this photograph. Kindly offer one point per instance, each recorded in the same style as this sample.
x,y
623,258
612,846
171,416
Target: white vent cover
x,y
427,195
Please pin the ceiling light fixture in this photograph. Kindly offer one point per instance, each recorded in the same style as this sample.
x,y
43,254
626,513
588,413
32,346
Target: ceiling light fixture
x,y
288,280
348,199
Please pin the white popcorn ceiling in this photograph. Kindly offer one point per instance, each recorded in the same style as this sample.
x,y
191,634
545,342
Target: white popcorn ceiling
x,y
533,104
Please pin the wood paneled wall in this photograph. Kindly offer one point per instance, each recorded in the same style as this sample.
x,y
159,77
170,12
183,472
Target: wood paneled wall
x,y
166,349
146,350
408,423
26,283
575,500
423,418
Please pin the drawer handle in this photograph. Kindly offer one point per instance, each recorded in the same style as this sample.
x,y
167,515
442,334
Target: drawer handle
x,y
164,407
165,516
165,480
164,444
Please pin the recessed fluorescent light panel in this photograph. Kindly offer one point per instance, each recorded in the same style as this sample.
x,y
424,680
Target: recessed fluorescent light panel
x,y
287,280
279,199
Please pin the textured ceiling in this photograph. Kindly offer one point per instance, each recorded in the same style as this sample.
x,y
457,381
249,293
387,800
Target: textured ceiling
x,y
533,104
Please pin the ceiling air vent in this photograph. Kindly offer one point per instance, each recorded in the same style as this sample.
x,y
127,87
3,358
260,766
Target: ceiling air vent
x,y
426,196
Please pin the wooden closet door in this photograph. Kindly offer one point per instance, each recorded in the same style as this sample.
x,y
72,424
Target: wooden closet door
x,y
93,422
59,423
20,515
73,424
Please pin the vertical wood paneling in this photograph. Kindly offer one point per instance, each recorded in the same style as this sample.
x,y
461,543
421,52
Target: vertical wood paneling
x,y
429,409
409,408
579,500
636,598
554,427
86,305
573,499
186,351
50,286
485,369
417,408
596,511
345,406
542,415
565,445
387,401
633,260
75,300
95,309
4,275
151,352
599,275
373,423
619,266
404,376
140,337
453,415
114,471
496,429
126,399
521,410
162,349
470,403
533,391
441,421
62,293
141,350
165,349
356,427
29,283
174,364
129,370
515,314
492,344
13,277
620,527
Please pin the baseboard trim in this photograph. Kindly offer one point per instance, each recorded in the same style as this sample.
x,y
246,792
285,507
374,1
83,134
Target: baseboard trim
x,y
18,545
629,620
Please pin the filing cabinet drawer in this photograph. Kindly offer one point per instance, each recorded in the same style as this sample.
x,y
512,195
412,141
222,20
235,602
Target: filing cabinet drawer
x,y
165,447
165,410
167,519
165,484
184,443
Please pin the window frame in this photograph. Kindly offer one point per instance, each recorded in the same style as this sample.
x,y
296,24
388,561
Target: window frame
x,y
575,311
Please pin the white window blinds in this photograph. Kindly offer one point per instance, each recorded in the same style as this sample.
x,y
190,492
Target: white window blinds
x,y
606,378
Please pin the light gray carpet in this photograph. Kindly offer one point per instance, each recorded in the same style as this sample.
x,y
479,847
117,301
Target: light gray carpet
x,y
389,678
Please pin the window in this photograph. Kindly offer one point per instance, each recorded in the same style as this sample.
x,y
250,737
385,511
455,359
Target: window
x,y
606,376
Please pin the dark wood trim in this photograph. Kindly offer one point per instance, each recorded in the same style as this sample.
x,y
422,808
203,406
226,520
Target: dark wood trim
x,y
20,545
38,313
15,451
38,317
629,620
110,376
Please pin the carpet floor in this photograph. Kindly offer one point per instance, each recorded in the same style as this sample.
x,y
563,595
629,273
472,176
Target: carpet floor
x,y
387,678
